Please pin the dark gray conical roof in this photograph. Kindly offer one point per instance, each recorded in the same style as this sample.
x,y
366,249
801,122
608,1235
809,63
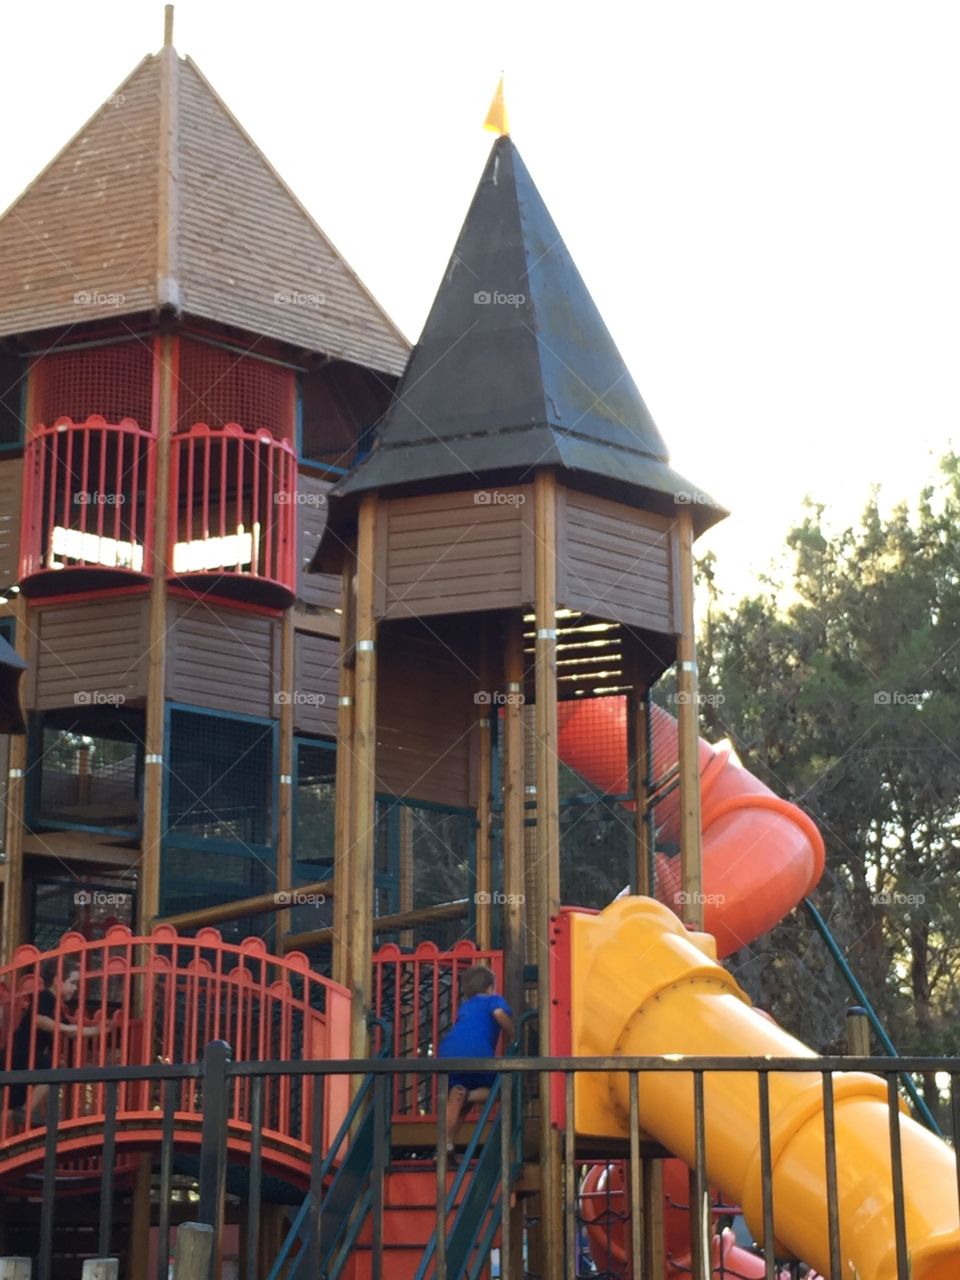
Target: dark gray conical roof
x,y
515,370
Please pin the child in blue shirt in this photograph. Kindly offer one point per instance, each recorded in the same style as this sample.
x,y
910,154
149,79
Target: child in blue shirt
x,y
482,1016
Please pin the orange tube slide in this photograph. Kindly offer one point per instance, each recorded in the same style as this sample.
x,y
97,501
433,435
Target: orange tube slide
x,y
761,855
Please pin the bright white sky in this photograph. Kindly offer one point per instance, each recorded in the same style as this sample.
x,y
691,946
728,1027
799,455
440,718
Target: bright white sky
x,y
762,196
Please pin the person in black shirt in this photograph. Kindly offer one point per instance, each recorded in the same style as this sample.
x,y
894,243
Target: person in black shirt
x,y
41,1019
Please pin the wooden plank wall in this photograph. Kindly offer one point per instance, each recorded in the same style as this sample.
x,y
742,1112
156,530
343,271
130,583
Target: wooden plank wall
x,y
617,563
425,718
91,647
317,683
316,590
222,658
11,483
449,553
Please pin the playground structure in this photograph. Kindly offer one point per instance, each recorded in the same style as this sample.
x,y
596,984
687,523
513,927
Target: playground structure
x,y
331,648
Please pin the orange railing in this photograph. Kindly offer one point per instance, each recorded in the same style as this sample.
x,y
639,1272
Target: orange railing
x,y
142,1000
417,993
87,505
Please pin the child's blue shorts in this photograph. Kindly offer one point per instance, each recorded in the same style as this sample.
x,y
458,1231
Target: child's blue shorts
x,y
472,1079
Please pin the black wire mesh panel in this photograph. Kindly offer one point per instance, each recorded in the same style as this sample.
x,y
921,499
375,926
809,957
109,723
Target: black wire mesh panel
x,y
314,805
220,778
12,382
220,843
87,769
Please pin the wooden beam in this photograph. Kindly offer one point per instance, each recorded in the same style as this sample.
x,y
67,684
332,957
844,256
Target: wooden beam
x,y
285,833
140,1219
342,829
166,357
512,935
11,921
547,851
385,924
262,904
15,804
484,883
691,856
639,750
363,815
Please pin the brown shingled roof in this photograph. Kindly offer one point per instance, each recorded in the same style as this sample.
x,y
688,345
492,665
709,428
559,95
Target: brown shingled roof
x,y
161,200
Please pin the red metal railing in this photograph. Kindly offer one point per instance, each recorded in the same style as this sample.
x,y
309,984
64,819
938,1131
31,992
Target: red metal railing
x,y
233,500
87,505
164,998
418,993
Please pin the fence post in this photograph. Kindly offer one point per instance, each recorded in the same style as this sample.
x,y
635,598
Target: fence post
x,y
193,1255
213,1137
16,1268
858,1032
101,1269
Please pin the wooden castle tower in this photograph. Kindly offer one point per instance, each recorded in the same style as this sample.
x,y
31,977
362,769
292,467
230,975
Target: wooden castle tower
x,y
516,524
186,364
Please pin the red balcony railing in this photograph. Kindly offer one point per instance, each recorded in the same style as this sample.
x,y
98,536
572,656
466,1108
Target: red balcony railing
x,y
87,506
163,998
233,519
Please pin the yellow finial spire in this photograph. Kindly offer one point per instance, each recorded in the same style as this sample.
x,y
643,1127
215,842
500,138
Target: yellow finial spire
x,y
167,26
497,120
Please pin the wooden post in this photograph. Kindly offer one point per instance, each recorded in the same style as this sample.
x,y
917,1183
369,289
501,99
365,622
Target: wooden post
x,y
486,711
363,810
858,1032
638,754
691,860
193,1256
15,804
15,800
342,828
285,818
548,850
102,1269
16,1268
513,815
166,355
654,1247
140,1219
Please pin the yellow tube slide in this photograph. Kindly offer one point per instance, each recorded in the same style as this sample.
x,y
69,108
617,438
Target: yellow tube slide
x,y
643,985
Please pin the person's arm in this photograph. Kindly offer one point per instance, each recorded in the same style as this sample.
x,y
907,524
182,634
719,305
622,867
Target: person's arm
x,y
503,1019
44,1023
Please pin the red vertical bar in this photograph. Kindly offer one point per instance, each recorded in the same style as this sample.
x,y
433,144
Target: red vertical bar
x,y
269,497
206,487
104,434
223,491
133,516
191,447
118,494
68,477
256,523
241,523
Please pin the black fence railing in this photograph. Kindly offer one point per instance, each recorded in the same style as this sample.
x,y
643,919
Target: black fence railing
x,y
785,1135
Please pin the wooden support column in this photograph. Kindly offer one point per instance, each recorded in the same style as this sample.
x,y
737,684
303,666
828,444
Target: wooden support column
x,y
15,803
483,888
691,860
285,817
342,828
166,355
363,808
547,852
654,1247
140,1219
639,750
513,797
